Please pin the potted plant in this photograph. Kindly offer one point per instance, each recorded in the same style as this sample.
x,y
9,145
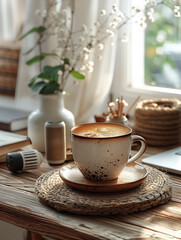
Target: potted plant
x,y
71,57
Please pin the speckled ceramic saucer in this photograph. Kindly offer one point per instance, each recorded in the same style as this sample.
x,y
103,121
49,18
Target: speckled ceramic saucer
x,y
132,176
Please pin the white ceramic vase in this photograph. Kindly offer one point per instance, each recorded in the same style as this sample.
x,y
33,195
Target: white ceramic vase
x,y
52,109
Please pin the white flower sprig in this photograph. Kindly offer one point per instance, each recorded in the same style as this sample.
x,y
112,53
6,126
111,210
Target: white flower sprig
x,y
74,48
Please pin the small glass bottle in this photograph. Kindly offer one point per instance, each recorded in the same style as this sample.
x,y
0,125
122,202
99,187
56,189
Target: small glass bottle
x,y
55,142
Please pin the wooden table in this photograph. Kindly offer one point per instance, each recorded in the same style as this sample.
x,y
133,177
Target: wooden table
x,y
19,205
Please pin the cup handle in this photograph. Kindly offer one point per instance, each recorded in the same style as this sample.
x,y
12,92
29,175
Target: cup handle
x,y
142,149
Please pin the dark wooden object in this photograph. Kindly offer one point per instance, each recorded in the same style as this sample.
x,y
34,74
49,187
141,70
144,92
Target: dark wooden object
x,y
19,205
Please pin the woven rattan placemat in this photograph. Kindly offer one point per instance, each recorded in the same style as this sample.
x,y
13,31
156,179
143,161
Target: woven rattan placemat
x,y
52,191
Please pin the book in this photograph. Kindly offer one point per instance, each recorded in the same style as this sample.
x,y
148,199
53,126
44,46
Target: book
x,y
10,142
13,119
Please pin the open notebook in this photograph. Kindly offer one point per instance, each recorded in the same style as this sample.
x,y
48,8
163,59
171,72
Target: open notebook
x,y
169,161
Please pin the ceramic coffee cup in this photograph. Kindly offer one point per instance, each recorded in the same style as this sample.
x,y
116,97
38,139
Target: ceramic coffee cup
x,y
102,150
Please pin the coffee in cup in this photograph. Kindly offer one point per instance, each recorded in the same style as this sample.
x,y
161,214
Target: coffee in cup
x,y
102,150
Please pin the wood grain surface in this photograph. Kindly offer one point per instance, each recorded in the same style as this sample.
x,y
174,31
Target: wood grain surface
x,y
19,205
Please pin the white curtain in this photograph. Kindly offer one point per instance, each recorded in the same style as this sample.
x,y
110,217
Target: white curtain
x,y
86,98
11,19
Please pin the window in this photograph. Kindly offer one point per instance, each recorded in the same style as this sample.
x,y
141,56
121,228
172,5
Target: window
x,y
132,76
163,50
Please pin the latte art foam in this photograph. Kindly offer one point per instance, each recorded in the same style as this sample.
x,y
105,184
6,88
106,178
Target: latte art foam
x,y
101,130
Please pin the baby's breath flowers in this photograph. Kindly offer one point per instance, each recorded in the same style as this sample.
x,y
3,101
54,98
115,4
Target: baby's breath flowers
x,y
177,11
74,48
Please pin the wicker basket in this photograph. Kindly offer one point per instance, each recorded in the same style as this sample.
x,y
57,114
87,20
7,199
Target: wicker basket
x,y
159,121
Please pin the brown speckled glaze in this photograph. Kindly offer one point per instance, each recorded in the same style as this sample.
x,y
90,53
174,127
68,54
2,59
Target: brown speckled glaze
x,y
101,158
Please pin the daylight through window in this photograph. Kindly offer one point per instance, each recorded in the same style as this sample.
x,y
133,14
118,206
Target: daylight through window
x,y
163,50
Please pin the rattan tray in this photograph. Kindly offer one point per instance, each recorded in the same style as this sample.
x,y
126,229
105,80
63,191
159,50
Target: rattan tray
x,y
52,191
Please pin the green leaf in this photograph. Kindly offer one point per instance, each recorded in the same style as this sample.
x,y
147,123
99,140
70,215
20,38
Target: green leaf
x,y
50,87
39,58
41,75
38,86
89,46
32,30
32,80
66,61
44,76
35,59
49,73
52,72
77,75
